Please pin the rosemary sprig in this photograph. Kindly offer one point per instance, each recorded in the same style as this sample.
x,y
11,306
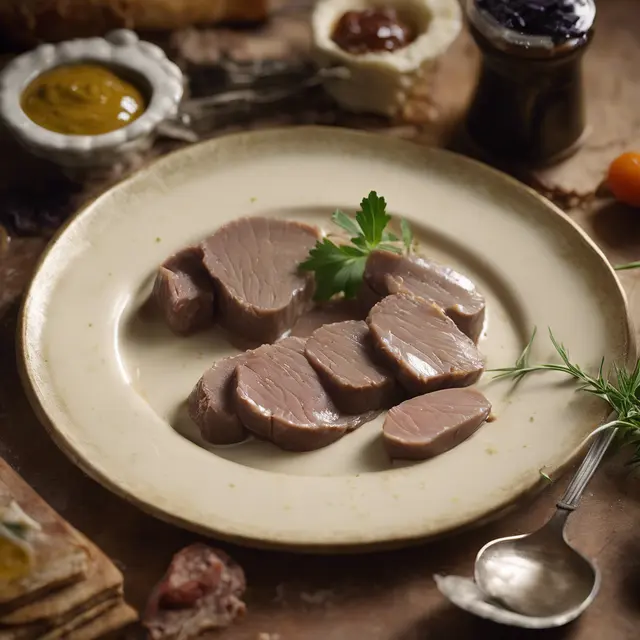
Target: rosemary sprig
x,y
620,390
627,266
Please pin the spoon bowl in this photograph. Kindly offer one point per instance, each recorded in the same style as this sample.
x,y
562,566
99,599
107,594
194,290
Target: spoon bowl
x,y
539,574
534,581
465,594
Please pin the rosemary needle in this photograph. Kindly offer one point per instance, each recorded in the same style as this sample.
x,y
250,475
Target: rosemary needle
x,y
627,266
620,390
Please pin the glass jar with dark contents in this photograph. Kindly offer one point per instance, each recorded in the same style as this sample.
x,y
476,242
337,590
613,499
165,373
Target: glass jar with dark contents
x,y
529,103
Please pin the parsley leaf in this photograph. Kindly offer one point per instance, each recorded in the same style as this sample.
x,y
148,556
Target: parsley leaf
x,y
373,218
344,221
339,268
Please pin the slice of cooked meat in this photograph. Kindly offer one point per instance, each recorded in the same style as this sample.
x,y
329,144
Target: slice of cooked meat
x,y
201,591
279,397
387,273
337,310
255,263
183,292
422,345
344,358
431,424
211,403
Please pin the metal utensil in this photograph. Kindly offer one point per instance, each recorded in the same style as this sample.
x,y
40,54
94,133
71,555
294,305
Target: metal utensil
x,y
536,580
195,113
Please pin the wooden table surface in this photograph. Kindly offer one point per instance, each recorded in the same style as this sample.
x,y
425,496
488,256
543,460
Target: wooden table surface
x,y
386,596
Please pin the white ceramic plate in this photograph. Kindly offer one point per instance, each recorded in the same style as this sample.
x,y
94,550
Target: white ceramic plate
x,y
109,382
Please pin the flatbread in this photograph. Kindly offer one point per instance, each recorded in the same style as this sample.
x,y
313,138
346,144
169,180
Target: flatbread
x,y
73,591
108,625
47,631
60,555
102,581
89,615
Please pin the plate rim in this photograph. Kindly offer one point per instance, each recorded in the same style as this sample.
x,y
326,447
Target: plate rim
x,y
27,374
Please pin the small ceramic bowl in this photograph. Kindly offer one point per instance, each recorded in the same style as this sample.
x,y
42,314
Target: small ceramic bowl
x,y
381,81
120,50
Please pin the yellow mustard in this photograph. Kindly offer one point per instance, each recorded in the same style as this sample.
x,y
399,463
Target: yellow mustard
x,y
83,99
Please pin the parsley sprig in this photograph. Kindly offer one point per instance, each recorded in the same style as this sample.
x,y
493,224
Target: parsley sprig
x,y
620,390
339,268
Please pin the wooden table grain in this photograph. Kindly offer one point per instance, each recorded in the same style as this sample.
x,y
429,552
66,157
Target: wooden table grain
x,y
383,596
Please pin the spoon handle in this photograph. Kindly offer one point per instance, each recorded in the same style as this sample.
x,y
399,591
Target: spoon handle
x,y
569,501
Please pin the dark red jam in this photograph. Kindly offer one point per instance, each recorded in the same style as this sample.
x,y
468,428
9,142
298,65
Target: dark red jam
x,y
372,30
557,19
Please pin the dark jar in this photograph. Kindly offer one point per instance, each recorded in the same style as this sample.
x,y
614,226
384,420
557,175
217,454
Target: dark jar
x,y
529,103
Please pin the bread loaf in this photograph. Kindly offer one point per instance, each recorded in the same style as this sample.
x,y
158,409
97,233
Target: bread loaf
x,y
25,23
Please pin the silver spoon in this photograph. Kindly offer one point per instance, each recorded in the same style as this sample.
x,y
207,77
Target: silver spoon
x,y
196,111
536,580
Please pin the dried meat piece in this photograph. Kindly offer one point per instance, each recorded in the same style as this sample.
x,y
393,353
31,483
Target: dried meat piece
x,y
200,592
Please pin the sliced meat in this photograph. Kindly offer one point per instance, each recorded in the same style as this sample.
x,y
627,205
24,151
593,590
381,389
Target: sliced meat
x,y
343,356
201,591
212,403
183,291
431,424
337,310
279,397
387,273
421,345
260,290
